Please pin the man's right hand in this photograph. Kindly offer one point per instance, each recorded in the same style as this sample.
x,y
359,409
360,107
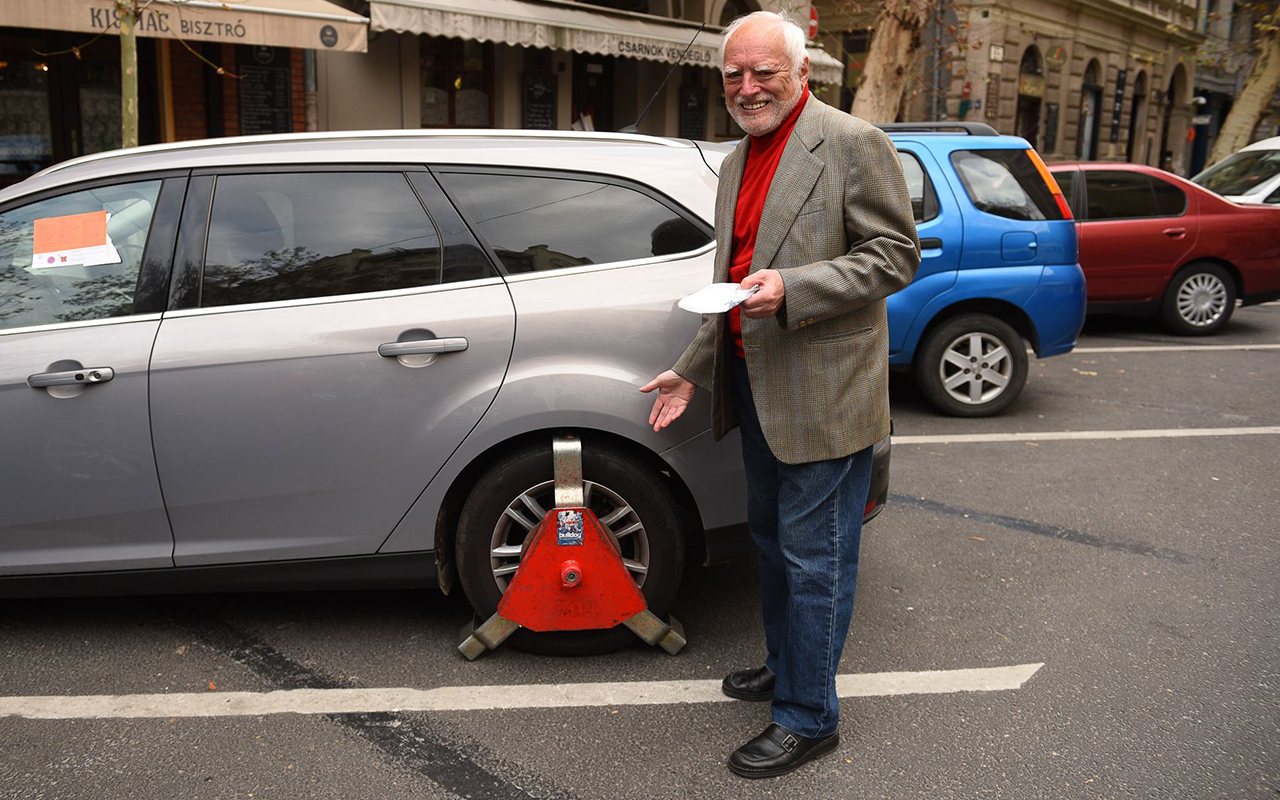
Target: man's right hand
x,y
674,394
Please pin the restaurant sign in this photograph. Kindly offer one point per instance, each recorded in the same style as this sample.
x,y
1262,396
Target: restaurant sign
x,y
655,50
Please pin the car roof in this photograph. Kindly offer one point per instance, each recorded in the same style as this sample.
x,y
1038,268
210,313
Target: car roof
x,y
948,141
656,161
1265,144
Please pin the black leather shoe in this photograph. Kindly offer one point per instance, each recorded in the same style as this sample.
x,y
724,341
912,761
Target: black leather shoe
x,y
777,751
750,684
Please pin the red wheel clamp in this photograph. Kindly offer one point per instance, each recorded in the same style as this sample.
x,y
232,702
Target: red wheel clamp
x,y
571,577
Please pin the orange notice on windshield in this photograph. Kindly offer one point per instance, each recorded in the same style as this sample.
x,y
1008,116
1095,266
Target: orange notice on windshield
x,y
76,239
72,232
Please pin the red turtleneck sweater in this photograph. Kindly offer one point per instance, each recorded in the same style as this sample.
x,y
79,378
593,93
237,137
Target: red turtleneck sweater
x,y
763,155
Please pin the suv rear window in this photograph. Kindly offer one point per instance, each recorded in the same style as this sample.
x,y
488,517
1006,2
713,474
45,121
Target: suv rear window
x,y
1005,183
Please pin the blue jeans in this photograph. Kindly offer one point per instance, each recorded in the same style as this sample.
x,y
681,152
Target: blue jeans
x,y
807,521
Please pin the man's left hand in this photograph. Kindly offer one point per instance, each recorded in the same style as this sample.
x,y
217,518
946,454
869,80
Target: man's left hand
x,y
765,302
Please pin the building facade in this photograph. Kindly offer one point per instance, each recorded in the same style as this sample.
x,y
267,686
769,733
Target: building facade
x,y
1224,61
539,64
1080,79
202,71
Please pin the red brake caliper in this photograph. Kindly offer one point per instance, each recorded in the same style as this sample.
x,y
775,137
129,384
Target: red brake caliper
x,y
571,577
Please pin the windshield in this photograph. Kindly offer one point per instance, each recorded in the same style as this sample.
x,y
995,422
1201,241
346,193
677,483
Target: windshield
x,y
1240,173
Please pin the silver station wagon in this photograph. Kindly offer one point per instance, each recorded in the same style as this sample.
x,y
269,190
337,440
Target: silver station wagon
x,y
322,360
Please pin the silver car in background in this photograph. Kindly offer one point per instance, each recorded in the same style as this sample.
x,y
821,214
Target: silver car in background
x,y
339,360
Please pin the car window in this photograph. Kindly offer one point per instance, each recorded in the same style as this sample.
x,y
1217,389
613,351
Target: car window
x,y
1066,182
1120,195
1005,183
285,236
74,257
1274,197
924,200
1170,200
536,223
1240,172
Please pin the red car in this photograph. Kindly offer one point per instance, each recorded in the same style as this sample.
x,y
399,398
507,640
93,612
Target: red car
x,y
1152,241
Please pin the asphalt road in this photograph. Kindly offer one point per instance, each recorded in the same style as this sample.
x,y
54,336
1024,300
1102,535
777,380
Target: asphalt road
x,y
1140,572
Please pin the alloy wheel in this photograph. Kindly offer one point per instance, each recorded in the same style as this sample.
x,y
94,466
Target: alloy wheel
x,y
976,368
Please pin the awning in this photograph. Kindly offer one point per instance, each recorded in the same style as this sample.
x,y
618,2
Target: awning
x,y
314,24
567,26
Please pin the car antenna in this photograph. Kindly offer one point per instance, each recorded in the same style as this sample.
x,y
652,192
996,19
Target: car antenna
x,y
634,127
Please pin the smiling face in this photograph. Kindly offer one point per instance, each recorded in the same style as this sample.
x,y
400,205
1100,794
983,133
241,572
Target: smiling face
x,y
761,85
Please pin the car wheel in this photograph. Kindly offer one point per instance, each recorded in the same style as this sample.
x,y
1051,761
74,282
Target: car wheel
x,y
1199,301
972,365
510,499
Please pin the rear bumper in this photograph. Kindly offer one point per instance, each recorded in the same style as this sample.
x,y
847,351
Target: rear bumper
x,y
730,542
1057,309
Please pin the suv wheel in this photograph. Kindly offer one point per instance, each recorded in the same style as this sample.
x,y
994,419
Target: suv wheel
x,y
1199,301
972,365
510,499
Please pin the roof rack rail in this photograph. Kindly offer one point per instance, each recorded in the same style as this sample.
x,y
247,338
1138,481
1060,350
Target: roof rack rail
x,y
970,128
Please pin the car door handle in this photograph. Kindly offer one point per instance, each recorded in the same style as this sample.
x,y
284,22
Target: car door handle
x,y
422,347
1174,233
930,244
75,377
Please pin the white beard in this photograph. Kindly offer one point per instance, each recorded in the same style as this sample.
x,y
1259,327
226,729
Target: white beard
x,y
763,125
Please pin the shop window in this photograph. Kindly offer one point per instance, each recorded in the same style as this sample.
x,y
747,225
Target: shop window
x,y
537,223
288,236
76,276
726,128
457,83
26,136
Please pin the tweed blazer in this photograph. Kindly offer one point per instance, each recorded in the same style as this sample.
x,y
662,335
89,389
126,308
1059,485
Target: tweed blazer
x,y
837,225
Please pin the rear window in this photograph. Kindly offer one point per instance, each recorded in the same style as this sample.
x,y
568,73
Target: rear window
x,y
1240,173
1005,183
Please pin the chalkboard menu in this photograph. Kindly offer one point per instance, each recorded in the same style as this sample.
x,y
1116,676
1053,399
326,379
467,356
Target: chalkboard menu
x,y
693,112
265,105
539,103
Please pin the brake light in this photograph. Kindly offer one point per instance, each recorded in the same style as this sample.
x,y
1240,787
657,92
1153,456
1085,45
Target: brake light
x,y
1051,183
871,506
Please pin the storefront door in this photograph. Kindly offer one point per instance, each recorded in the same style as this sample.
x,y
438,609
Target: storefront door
x,y
593,91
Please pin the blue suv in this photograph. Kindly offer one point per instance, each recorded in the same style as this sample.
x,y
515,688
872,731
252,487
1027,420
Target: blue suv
x,y
999,265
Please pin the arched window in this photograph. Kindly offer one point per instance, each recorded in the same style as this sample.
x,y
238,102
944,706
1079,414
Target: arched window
x,y
1030,95
1137,115
1090,112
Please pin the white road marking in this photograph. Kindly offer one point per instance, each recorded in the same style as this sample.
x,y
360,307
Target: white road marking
x,y
1058,436
483,698
1175,348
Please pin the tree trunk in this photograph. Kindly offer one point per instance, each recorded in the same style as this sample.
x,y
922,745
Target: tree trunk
x,y
891,59
128,73
1261,84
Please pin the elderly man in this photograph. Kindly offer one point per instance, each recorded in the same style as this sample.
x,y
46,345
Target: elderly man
x,y
813,209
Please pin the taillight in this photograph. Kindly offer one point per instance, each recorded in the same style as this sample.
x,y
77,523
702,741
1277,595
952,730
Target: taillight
x,y
871,506
1052,184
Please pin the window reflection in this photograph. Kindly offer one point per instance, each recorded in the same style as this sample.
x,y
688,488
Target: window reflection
x,y
73,292
289,236
535,223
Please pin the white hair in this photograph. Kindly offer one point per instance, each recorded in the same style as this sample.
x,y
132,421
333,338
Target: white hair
x,y
793,38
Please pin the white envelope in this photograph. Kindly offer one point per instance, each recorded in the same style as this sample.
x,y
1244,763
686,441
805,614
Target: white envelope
x,y
716,298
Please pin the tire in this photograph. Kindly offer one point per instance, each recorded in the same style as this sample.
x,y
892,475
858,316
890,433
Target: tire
x,y
1199,301
961,344
614,479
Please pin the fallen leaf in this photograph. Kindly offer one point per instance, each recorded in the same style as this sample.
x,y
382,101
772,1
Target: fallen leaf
x,y
976,539
212,687
181,650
